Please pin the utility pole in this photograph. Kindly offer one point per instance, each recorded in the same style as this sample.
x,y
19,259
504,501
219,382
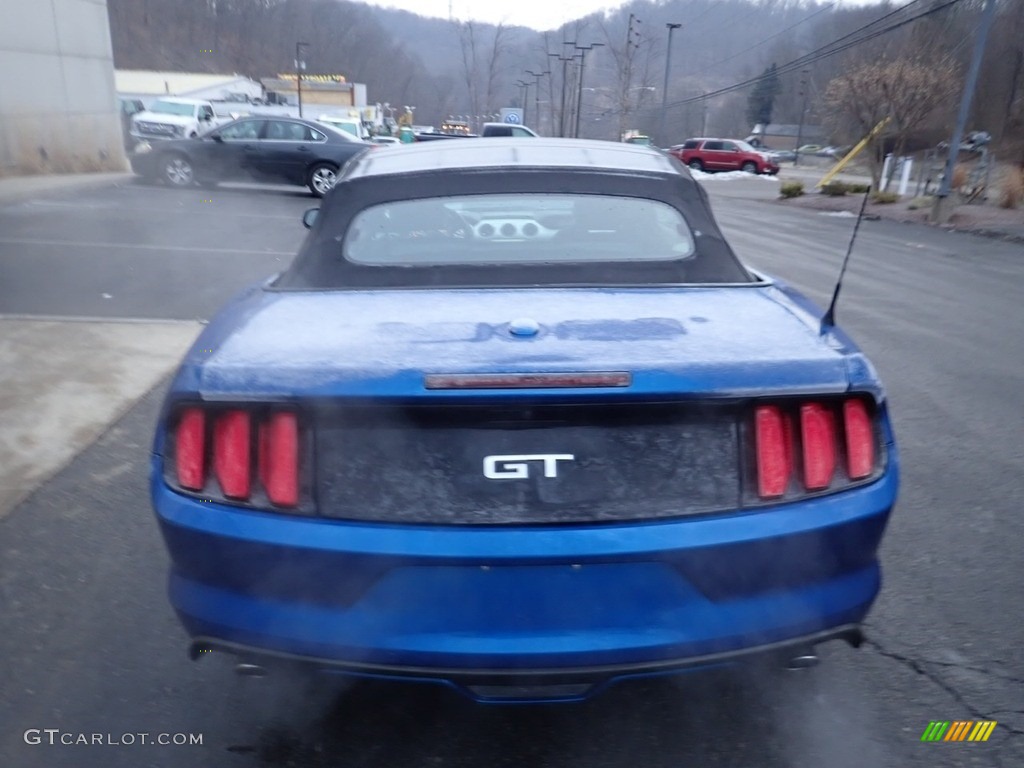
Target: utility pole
x,y
300,65
524,87
672,27
803,111
561,115
627,74
579,98
565,61
941,209
704,115
536,93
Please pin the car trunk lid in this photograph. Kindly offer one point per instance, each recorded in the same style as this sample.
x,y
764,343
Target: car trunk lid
x,y
714,341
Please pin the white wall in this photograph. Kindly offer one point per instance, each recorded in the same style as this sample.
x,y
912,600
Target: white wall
x,y
58,107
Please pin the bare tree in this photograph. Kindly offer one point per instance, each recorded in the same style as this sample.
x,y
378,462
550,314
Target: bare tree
x,y
468,44
494,55
908,91
625,57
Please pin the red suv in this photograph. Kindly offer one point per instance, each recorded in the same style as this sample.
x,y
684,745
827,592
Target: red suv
x,y
723,155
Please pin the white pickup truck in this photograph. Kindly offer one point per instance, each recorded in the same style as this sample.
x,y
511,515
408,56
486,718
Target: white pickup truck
x,y
175,118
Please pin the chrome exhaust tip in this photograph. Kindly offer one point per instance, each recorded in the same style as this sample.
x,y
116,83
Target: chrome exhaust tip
x,y
804,660
250,670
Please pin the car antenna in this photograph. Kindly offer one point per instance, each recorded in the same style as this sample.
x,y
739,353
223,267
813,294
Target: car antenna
x,y
829,319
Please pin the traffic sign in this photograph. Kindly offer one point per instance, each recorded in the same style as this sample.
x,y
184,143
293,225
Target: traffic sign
x,y
512,115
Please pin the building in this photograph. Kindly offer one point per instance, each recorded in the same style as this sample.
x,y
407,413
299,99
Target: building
x,y
58,106
149,85
323,91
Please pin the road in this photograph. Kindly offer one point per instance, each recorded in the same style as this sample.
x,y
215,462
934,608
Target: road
x,y
89,646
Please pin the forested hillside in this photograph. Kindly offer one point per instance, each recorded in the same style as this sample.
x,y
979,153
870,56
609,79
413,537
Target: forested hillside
x,y
718,54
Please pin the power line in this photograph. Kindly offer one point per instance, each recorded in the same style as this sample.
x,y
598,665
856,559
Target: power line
x,y
700,16
870,24
771,37
821,53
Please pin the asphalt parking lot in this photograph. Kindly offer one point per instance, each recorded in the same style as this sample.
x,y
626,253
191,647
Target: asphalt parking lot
x,y
90,646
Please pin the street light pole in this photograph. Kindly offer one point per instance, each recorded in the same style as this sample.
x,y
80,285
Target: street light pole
x,y
672,27
299,66
579,98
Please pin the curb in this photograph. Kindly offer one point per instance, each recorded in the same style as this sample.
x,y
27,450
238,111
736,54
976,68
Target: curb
x,y
986,232
992,234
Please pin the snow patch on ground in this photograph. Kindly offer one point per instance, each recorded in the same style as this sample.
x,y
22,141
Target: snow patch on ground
x,y
840,214
730,176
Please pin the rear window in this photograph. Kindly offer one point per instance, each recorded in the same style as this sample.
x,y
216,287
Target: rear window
x,y
517,229
521,226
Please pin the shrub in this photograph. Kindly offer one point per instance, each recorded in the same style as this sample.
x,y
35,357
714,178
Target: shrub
x,y
834,189
1011,192
919,203
791,189
884,197
858,189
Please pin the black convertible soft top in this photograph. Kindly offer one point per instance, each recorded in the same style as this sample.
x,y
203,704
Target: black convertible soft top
x,y
510,166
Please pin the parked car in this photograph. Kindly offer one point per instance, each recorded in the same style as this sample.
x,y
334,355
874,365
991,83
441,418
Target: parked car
x,y
642,140
832,151
174,118
517,420
705,154
491,130
442,136
128,108
286,149
809,149
782,155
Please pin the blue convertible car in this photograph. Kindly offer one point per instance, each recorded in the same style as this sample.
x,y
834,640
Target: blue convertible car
x,y
517,420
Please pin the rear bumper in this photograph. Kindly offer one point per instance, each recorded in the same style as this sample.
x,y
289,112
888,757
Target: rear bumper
x,y
524,686
445,602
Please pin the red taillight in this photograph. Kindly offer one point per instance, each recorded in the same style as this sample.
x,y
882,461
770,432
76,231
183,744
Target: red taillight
x,y
189,448
814,463
231,454
773,451
818,437
241,465
860,439
279,458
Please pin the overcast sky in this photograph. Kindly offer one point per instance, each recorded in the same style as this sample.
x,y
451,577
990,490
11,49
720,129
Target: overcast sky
x,y
539,14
